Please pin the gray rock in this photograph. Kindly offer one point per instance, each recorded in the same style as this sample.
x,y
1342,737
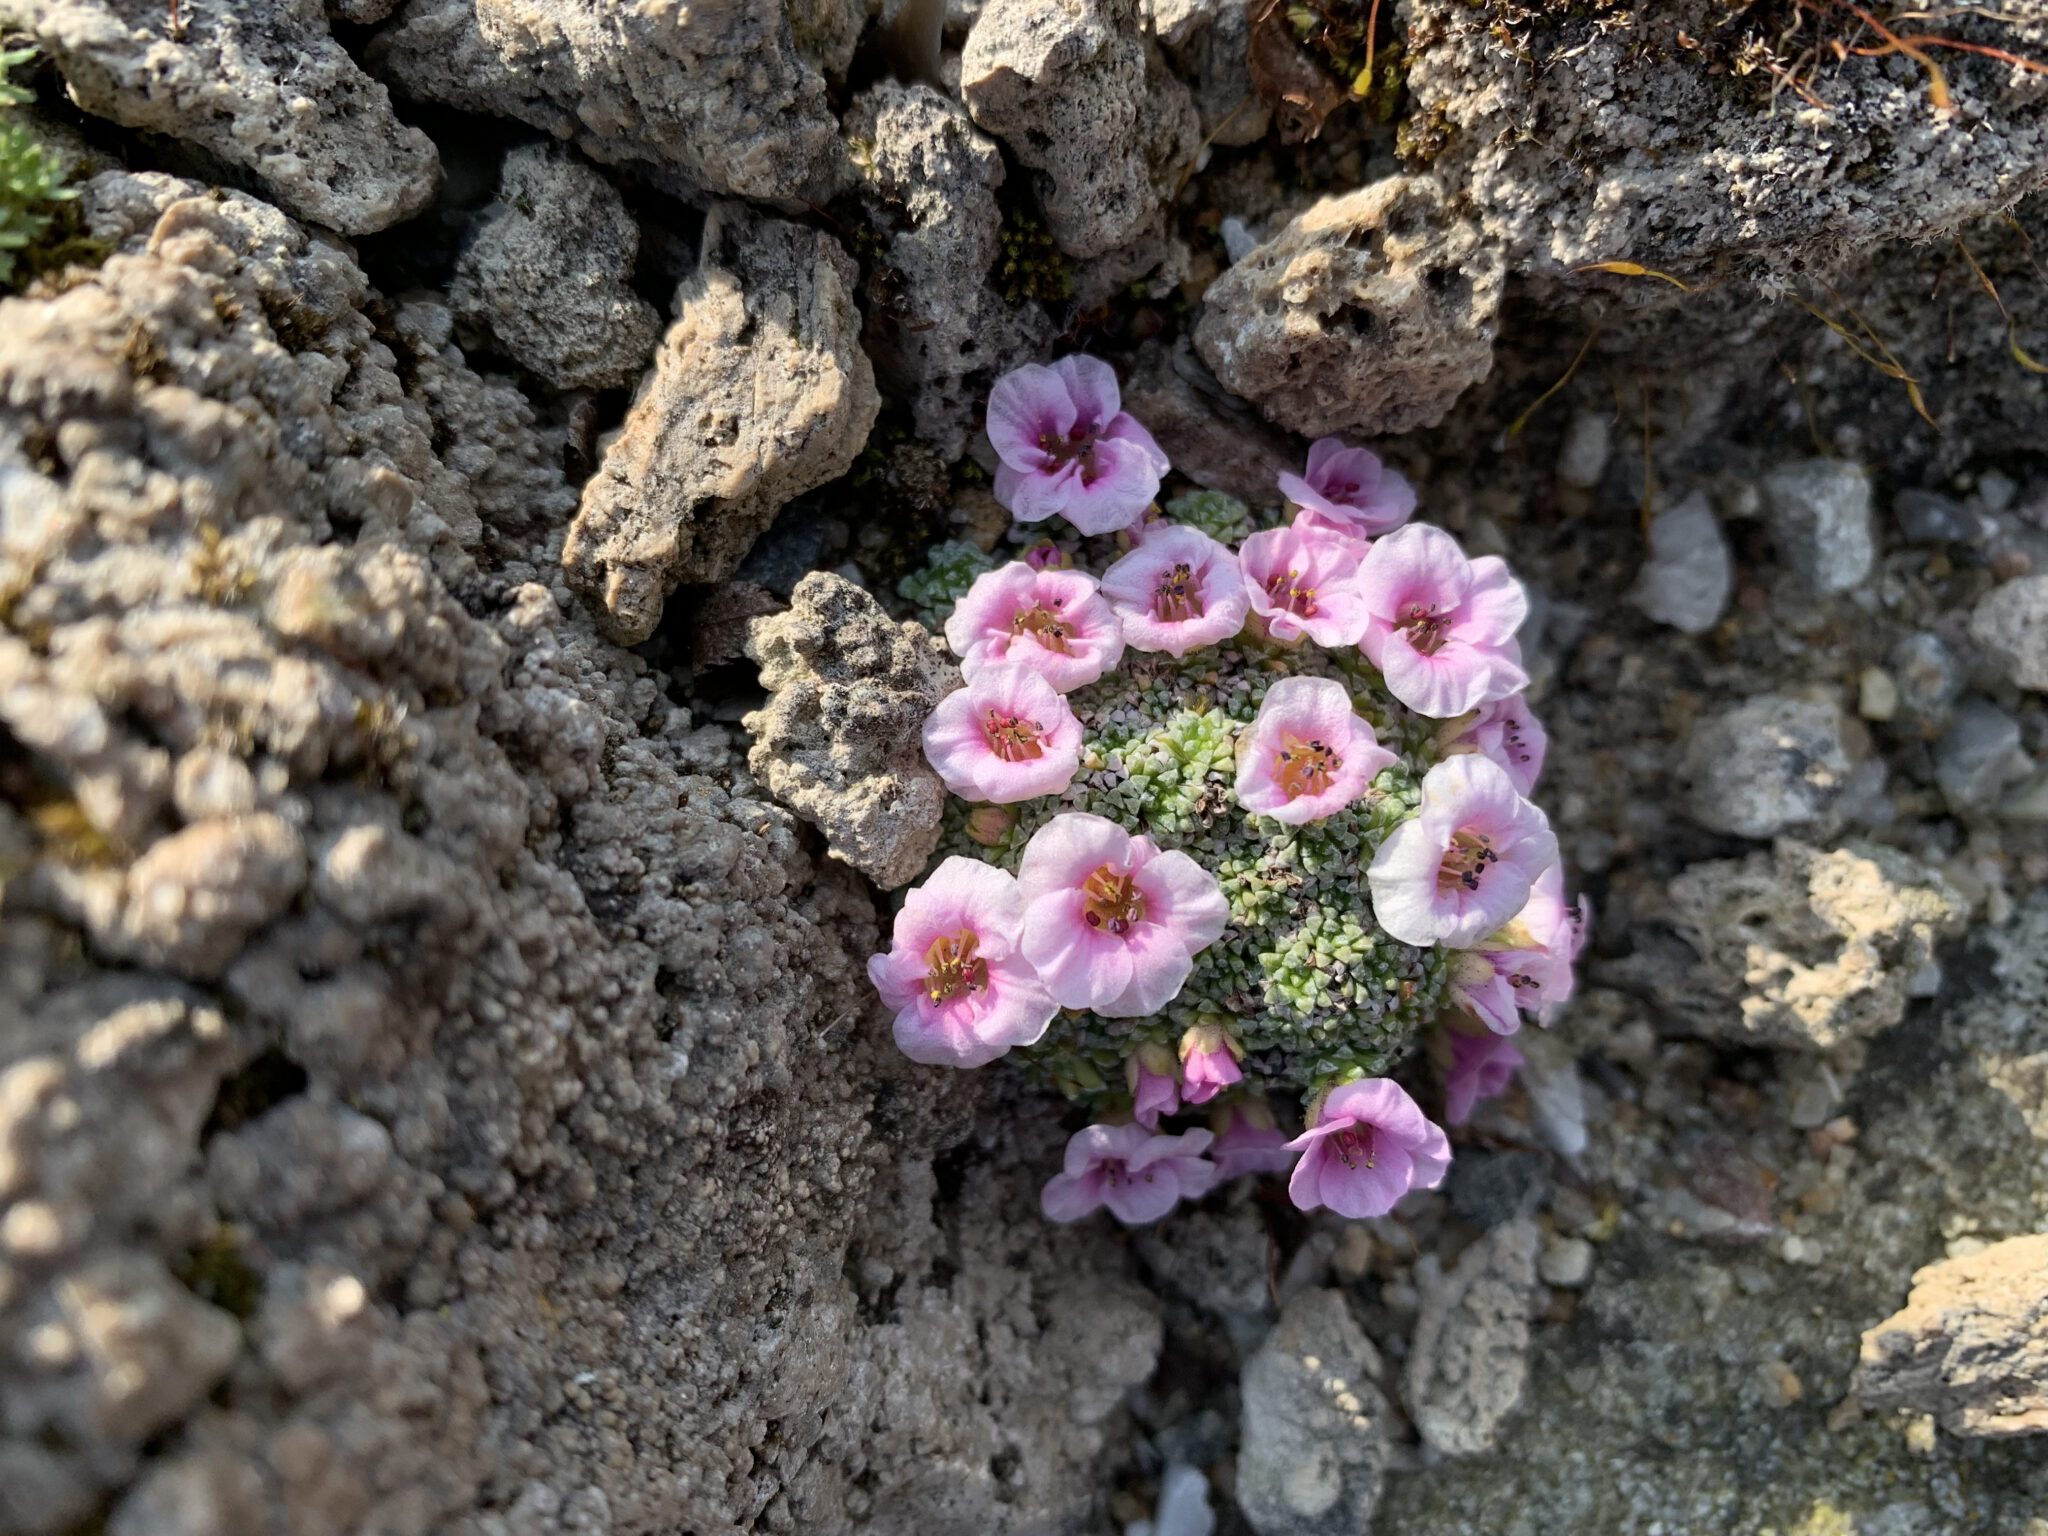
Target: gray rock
x,y
1487,1187
1979,758
1582,457
547,275
1928,517
1686,581
1565,1262
1312,1451
1211,436
841,741
1771,764
1970,1345
759,393
1370,313
1083,99
1468,1361
2011,622
1217,1261
1820,515
1928,680
1208,41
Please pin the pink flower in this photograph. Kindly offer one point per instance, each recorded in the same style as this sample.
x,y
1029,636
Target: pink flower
x,y
1545,939
1251,1143
1465,863
1348,489
1069,448
1507,731
1303,580
1481,1068
1441,628
1154,1079
1138,1175
1306,756
1054,622
1177,590
962,994
1481,986
1208,1062
1111,922
1047,556
1005,736
1368,1148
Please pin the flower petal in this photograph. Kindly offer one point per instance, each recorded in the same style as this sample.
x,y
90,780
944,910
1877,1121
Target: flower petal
x,y
1081,967
1067,1198
1025,405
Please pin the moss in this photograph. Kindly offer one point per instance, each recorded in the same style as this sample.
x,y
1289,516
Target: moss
x,y
216,1272
32,192
1028,264
1337,33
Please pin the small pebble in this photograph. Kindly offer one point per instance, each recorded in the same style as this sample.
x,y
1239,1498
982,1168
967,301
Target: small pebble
x,y
1566,1262
1877,696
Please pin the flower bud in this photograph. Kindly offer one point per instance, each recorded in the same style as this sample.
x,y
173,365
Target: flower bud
x,y
988,825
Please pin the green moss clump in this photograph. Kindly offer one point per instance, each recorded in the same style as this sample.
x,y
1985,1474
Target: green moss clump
x,y
216,1272
1028,264
32,186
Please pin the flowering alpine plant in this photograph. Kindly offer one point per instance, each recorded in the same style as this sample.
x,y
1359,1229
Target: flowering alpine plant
x,y
1249,797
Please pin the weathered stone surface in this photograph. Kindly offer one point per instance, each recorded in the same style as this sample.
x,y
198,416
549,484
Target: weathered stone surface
x,y
1686,581
1209,433
1079,95
1772,764
759,393
1469,1359
1370,313
2011,622
1208,41
263,87
1312,1451
546,276
841,741
1820,517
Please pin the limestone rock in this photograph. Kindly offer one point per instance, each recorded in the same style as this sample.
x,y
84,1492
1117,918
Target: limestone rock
x,y
1076,92
760,392
710,98
1771,764
1970,1345
152,1348
935,330
1312,1450
842,739
1686,581
2011,622
266,88
1369,313
1208,41
1468,1362
547,275
1820,517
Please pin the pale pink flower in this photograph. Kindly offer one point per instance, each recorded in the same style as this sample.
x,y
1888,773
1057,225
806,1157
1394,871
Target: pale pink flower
x,y
1507,731
1304,580
1251,1143
1481,986
1441,628
1481,1068
1047,556
963,995
1006,736
1464,864
1306,755
1140,1176
1208,1062
1054,622
1348,489
1541,944
1111,921
1069,448
1154,1079
1369,1146
1177,590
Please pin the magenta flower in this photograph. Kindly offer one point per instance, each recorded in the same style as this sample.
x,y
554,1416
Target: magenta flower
x,y
1303,580
1481,1068
1069,448
1441,628
962,993
1348,489
1111,921
1140,1176
1047,556
1054,622
1006,736
1306,756
1208,1062
1177,590
1507,731
1251,1143
1368,1148
1464,864
1154,1079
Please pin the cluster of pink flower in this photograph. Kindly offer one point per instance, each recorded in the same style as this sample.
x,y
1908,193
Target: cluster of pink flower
x,y
1098,918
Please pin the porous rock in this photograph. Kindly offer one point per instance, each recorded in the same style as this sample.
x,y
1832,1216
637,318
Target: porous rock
x,y
1820,517
1312,1449
842,739
2011,622
1468,1361
1970,1346
760,392
935,330
265,88
1082,98
1768,765
547,273
1369,313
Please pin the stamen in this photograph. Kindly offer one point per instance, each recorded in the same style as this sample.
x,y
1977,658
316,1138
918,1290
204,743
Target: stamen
x,y
1465,861
1178,597
1286,591
1013,738
1305,767
1113,902
953,970
1425,628
1049,629
1356,1143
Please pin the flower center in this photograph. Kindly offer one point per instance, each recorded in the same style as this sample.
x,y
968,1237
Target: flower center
x,y
1013,738
1116,1171
1286,590
1049,629
1305,767
1465,861
952,969
1178,597
1113,902
1424,627
1355,1144
1079,443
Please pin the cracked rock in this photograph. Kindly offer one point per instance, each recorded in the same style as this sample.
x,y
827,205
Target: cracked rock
x,y
1469,1359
